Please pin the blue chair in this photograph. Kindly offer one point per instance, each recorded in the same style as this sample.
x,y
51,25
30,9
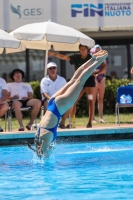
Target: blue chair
x,y
124,98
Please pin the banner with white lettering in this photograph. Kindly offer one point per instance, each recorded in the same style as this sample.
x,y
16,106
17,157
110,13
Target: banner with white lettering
x,y
95,14
22,12
77,14
118,15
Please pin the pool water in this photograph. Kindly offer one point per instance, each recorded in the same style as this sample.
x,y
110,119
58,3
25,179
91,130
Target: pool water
x,y
84,171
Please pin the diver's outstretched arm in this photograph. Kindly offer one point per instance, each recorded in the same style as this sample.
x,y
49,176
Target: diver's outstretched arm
x,y
82,67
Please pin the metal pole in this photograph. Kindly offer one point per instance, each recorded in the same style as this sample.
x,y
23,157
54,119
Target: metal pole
x,y
129,63
46,60
9,119
6,17
27,65
63,68
54,11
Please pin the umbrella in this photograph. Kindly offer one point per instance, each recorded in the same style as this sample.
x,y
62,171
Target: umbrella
x,y
45,35
7,41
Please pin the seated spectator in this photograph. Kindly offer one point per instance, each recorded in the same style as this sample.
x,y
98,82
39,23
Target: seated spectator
x,y
21,95
50,85
3,96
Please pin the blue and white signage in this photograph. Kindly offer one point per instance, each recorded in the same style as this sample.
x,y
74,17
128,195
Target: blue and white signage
x,y
103,10
92,14
22,12
86,10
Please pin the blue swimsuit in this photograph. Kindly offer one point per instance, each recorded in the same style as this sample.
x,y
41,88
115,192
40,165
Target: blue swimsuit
x,y
53,108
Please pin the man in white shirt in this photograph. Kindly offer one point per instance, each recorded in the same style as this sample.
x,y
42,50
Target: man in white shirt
x,y
21,95
50,85
3,96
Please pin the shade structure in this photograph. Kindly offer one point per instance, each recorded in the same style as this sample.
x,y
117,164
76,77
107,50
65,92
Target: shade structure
x,y
43,35
7,41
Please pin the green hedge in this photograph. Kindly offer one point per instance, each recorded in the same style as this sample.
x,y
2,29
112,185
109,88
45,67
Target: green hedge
x,y
36,88
109,97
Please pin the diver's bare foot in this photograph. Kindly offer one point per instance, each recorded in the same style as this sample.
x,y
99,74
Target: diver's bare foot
x,y
100,55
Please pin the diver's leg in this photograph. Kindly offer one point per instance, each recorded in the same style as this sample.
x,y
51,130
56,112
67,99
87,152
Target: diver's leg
x,y
66,100
74,77
98,56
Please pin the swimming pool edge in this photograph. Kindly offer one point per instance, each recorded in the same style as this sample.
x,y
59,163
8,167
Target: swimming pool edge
x,y
103,133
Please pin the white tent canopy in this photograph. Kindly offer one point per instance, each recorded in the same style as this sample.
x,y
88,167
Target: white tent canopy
x,y
7,41
43,35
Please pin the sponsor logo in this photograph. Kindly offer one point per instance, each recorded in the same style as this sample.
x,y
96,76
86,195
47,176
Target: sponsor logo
x,y
106,9
27,13
16,10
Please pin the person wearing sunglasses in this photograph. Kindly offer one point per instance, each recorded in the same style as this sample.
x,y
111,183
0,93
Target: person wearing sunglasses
x,y
63,100
51,84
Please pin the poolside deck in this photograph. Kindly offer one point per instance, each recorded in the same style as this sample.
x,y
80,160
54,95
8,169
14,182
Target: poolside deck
x,y
105,132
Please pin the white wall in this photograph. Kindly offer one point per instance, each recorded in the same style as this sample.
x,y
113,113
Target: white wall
x,y
86,15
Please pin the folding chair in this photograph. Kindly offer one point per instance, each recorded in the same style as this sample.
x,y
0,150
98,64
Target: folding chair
x,y
42,112
8,116
124,98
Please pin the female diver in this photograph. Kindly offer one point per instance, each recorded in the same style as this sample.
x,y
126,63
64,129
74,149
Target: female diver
x,y
61,101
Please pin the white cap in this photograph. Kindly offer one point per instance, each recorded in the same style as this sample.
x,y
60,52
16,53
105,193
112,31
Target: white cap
x,y
51,64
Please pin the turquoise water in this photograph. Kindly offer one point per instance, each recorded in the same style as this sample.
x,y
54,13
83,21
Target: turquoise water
x,y
83,171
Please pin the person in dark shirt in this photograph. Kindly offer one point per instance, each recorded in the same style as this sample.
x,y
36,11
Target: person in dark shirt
x,y
89,87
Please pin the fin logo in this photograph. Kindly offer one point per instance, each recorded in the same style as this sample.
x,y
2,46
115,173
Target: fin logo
x,y
16,10
86,9
79,8
98,10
